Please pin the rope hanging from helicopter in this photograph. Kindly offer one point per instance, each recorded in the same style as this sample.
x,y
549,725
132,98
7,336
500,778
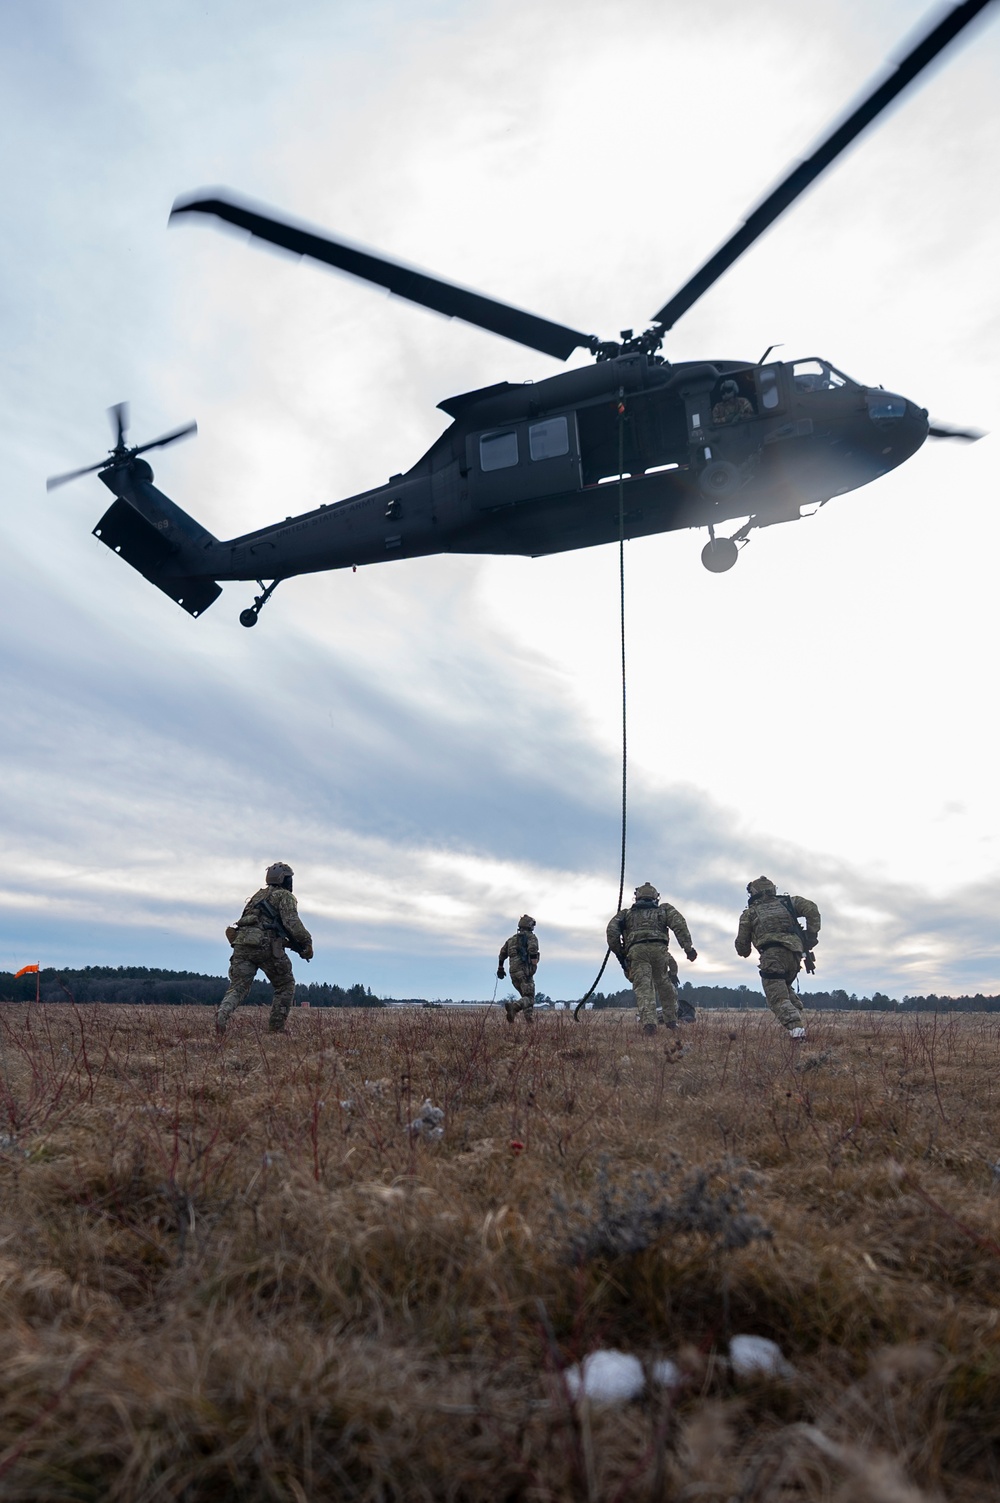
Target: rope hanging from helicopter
x,y
621,597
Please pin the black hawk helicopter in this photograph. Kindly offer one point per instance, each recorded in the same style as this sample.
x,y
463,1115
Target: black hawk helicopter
x,y
520,469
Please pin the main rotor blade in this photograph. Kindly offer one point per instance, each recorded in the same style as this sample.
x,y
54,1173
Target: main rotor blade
x,y
417,286
800,178
942,430
55,480
119,416
168,438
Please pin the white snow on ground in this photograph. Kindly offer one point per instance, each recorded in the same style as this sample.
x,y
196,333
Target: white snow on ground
x,y
606,1377
757,1357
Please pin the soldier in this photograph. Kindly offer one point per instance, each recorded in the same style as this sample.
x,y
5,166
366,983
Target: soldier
x,y
770,922
731,407
639,937
270,921
521,954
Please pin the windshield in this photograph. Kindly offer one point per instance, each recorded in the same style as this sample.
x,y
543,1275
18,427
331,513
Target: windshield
x,y
818,375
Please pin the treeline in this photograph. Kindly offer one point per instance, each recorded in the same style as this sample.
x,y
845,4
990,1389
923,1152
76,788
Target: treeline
x,y
837,1001
747,996
146,985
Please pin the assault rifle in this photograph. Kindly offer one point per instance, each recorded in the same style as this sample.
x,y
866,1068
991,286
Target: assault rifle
x,y
809,958
271,919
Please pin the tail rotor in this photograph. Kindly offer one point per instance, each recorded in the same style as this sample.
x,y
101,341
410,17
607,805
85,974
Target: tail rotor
x,y
121,454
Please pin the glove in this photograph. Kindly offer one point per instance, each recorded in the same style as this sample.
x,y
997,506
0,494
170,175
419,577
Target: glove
x,y
307,953
499,972
691,953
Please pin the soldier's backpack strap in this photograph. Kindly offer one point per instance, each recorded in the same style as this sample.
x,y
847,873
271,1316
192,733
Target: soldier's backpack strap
x,y
786,901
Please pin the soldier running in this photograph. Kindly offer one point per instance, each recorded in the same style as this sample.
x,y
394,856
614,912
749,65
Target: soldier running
x,y
270,921
770,923
521,954
639,937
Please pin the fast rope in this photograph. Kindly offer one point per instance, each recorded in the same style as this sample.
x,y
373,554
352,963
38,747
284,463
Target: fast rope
x,y
621,593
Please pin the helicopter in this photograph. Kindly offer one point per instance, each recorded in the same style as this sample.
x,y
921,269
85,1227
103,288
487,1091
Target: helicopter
x,y
626,447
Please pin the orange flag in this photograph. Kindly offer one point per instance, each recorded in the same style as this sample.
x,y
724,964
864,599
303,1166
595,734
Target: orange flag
x,y
25,970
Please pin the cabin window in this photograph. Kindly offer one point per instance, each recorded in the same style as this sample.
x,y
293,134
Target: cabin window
x,y
550,439
770,395
498,451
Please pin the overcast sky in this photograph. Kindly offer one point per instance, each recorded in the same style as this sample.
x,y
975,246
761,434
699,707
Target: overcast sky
x,y
433,744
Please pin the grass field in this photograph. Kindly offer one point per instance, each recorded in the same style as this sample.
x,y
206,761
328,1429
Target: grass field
x,y
228,1271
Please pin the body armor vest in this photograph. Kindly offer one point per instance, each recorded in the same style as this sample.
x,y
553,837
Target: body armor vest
x,y
644,923
773,923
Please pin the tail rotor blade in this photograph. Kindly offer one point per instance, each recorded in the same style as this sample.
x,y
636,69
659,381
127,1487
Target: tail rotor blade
x,y
168,438
942,430
119,415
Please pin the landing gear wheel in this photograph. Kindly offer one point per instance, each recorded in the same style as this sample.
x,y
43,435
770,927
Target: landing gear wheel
x,y
249,616
718,555
719,479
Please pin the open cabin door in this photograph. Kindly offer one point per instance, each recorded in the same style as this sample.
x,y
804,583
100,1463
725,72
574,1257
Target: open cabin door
x,y
523,461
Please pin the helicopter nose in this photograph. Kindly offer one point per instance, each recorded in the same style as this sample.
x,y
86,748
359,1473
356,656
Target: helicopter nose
x,y
898,427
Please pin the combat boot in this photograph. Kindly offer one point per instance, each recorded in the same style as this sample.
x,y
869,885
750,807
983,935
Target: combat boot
x,y
649,1030
528,1014
510,1010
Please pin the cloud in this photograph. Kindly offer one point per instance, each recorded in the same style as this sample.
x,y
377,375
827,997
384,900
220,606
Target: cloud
x,y
434,745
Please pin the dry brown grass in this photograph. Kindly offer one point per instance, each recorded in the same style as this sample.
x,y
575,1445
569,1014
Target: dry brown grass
x,y
218,1282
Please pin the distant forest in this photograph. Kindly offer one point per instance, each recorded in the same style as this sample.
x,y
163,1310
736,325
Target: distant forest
x,y
142,984
839,1001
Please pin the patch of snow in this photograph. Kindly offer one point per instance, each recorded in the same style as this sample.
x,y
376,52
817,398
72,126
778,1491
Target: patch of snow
x,y
428,1123
667,1374
606,1377
757,1357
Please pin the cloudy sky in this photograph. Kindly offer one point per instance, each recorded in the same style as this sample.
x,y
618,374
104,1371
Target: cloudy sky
x,y
433,744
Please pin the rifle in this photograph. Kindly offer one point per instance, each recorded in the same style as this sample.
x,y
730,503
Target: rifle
x,y
809,959
272,921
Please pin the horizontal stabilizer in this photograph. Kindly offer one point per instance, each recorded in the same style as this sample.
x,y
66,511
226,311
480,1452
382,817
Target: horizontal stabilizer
x,y
143,545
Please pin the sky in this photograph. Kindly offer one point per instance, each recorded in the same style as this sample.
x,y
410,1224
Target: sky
x,y
433,744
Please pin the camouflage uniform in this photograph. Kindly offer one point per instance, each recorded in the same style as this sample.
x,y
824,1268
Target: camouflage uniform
x,y
769,924
639,937
730,410
258,947
521,953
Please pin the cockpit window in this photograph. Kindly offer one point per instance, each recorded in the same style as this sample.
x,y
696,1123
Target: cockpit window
x,y
818,375
498,451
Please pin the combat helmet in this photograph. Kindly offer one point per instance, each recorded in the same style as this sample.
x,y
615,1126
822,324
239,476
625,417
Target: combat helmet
x,y
728,389
525,921
279,874
761,887
647,893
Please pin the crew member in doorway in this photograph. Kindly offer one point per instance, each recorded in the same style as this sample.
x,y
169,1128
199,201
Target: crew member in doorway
x,y
640,937
269,922
731,407
521,954
770,923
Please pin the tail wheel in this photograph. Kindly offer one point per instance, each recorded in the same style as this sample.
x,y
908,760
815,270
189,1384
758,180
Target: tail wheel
x,y
719,554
